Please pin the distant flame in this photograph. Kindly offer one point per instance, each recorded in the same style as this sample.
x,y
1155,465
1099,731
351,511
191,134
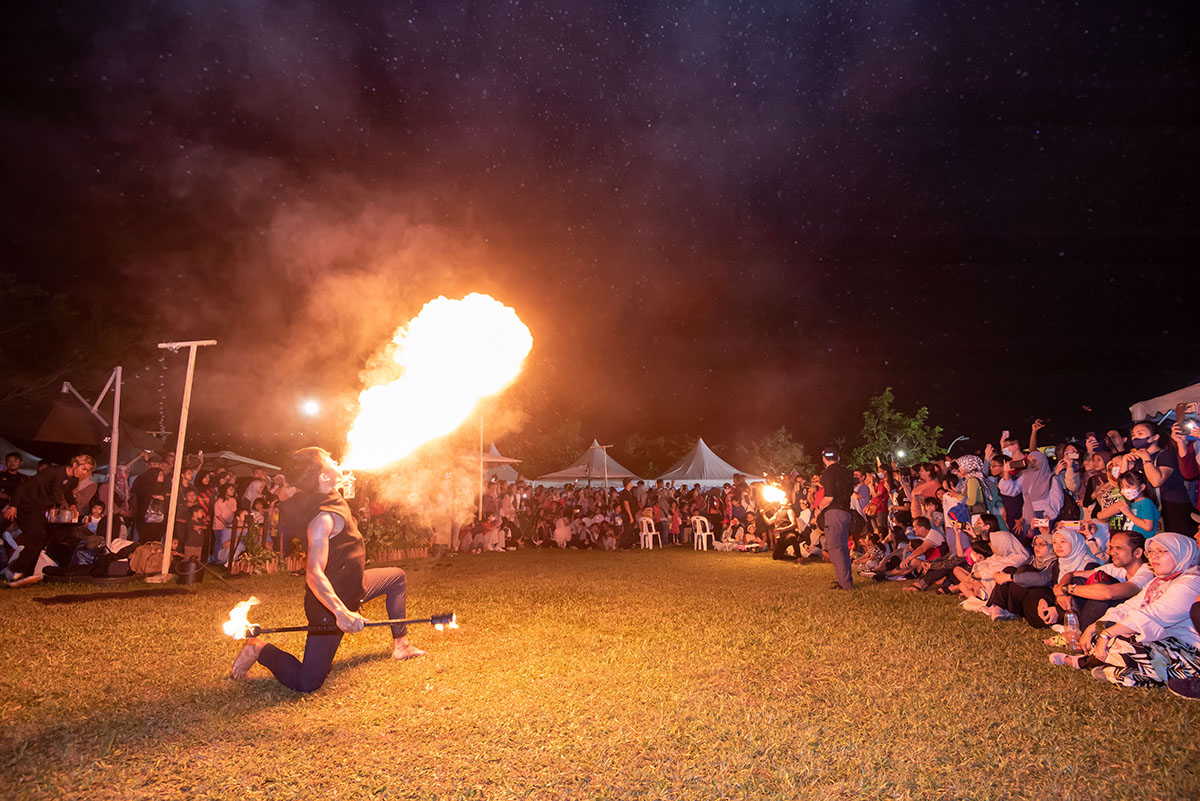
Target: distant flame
x,y
239,619
452,354
773,494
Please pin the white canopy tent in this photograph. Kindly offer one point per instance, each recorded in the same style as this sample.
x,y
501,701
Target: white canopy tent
x,y
594,465
702,466
500,466
1157,407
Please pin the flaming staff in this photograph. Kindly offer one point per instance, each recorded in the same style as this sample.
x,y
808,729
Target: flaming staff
x,y
239,627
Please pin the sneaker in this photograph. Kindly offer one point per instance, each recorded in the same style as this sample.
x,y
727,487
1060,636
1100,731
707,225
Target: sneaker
x,y
1098,673
1188,688
1070,660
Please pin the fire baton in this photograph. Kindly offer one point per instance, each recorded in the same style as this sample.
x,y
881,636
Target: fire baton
x,y
445,620
239,626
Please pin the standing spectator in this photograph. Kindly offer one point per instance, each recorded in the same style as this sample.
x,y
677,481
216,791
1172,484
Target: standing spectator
x,y
1189,470
1160,465
627,507
255,489
11,478
224,509
52,487
835,506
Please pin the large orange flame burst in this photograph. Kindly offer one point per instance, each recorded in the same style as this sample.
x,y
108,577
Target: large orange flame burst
x,y
773,494
452,354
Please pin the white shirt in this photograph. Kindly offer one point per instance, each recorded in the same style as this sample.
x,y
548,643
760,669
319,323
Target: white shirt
x,y
1168,615
1141,577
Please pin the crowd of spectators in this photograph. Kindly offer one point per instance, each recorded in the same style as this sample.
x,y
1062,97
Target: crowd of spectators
x,y
1093,537
57,518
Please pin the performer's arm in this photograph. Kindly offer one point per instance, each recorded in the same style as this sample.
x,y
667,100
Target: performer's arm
x,y
319,531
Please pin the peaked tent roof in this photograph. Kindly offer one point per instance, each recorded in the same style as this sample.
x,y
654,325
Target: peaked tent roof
x,y
1165,403
590,467
702,466
502,471
240,466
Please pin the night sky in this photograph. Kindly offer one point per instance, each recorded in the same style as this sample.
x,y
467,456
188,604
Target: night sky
x,y
715,218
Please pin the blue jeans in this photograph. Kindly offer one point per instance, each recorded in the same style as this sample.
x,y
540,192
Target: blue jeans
x,y
319,649
837,543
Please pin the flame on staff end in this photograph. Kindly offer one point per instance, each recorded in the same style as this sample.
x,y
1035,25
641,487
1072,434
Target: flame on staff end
x,y
453,624
452,354
239,619
773,494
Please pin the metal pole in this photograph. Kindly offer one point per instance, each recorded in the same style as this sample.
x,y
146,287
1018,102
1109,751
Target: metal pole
x,y
165,575
112,452
481,465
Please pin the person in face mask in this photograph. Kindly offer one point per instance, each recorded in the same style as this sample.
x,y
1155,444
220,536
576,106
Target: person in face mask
x,y
1140,512
1161,466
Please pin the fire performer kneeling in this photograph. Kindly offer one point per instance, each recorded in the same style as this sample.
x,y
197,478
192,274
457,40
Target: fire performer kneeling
x,y
338,583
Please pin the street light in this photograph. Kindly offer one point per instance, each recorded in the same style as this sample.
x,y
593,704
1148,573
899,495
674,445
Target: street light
x,y
955,442
900,454
310,407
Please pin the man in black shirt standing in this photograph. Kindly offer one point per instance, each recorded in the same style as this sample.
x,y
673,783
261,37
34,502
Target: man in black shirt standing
x,y
11,478
627,508
51,487
838,485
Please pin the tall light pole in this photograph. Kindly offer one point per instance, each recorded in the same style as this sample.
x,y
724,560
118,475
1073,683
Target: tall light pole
x,y
165,575
950,447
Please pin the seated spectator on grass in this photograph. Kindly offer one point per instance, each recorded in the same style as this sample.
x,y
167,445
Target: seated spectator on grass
x,y
1137,511
874,552
562,532
940,571
748,539
1091,593
1007,552
1150,638
930,547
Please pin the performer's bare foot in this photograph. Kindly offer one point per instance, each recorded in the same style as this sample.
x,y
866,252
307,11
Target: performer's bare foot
x,y
403,649
246,659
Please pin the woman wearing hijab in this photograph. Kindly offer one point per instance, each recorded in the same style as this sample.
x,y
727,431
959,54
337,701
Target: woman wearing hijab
x,y
1150,638
1030,593
1040,489
1007,553
974,490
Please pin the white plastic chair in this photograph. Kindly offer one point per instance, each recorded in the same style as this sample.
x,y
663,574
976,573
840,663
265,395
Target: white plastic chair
x,y
648,533
702,533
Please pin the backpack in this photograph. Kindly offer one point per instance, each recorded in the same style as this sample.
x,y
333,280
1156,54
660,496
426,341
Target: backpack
x,y
146,558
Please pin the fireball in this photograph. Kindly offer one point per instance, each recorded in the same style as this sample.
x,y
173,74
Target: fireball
x,y
450,356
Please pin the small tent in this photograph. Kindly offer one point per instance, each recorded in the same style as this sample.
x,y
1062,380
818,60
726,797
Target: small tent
x,y
594,465
1155,408
500,467
702,466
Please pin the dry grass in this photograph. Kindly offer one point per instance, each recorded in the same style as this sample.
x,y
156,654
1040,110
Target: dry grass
x,y
580,675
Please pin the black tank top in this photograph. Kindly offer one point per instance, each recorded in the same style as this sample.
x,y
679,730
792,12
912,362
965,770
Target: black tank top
x,y
347,553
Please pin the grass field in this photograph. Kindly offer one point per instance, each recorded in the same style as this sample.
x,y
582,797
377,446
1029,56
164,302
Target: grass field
x,y
579,675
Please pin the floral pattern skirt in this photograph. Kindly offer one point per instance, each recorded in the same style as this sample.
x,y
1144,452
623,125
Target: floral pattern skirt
x,y
1150,664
